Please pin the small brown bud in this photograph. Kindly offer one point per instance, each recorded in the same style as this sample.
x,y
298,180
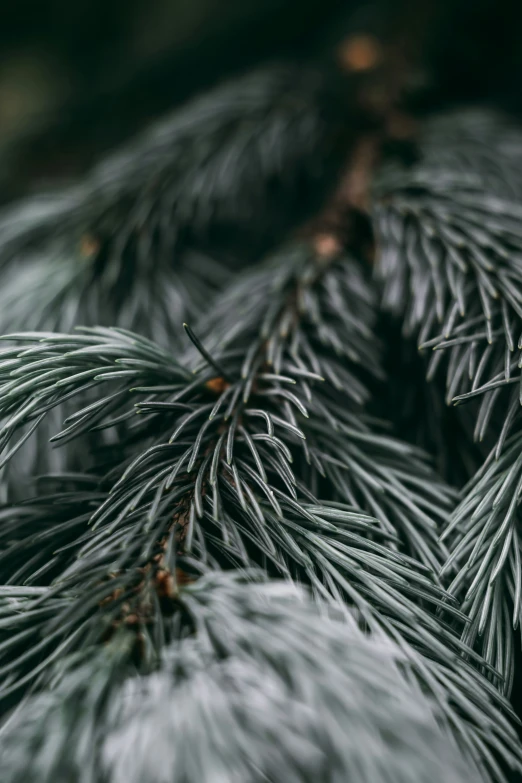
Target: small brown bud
x,y
360,53
327,245
89,246
217,385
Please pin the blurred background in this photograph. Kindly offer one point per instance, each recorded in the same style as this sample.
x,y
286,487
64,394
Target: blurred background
x,y
77,78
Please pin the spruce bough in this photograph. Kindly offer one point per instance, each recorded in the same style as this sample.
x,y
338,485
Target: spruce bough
x,y
236,569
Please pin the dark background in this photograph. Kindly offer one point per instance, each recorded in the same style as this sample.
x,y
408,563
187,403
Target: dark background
x,y
78,77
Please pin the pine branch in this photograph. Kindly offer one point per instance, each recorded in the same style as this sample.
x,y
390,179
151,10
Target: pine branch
x,y
450,262
214,483
55,379
39,536
450,245
218,459
115,249
108,250
308,326
98,563
484,565
330,702
323,421
56,287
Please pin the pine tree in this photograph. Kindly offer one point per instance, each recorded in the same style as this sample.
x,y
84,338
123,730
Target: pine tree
x,y
251,555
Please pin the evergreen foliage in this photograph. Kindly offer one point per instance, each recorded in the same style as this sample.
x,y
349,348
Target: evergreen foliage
x,y
261,666
450,261
226,553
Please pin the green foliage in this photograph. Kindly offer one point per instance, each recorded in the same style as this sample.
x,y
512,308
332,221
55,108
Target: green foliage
x,y
258,423
225,473
449,230
266,688
125,246
144,635
113,247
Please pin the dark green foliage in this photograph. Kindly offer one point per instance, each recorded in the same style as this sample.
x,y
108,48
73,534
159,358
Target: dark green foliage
x,y
484,565
229,468
319,425
144,632
264,669
449,232
419,412
453,218
110,248
308,330
229,169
